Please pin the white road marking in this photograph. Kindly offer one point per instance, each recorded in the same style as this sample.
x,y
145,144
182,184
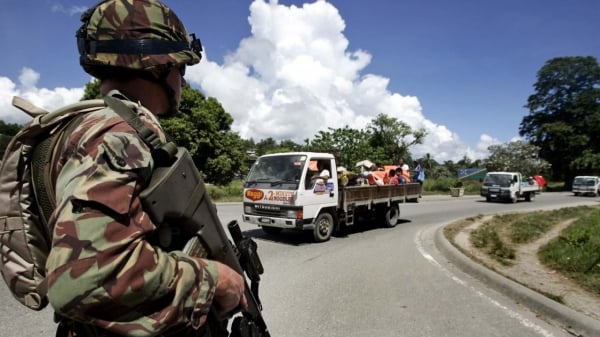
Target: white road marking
x,y
522,320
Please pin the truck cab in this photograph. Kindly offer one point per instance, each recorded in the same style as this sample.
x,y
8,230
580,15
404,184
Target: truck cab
x,y
287,191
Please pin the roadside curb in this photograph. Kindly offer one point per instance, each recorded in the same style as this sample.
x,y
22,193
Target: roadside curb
x,y
573,321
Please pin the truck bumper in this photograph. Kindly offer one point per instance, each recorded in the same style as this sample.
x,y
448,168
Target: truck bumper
x,y
496,195
285,223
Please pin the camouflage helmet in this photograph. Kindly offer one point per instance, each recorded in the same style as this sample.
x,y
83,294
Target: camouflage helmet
x,y
139,35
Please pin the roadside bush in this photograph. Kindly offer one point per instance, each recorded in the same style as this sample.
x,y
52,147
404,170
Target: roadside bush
x,y
438,185
216,193
232,192
554,186
471,186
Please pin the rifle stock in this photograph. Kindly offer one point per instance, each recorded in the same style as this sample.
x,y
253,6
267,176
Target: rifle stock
x,y
177,195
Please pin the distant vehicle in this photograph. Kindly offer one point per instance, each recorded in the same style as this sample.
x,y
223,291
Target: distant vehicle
x,y
508,186
281,192
586,185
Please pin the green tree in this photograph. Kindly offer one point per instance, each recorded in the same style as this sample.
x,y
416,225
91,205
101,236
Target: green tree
x,y
270,145
565,116
7,131
92,90
517,156
289,146
440,171
205,130
265,146
348,145
391,138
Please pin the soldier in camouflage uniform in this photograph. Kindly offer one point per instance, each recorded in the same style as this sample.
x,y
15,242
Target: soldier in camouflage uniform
x,y
105,276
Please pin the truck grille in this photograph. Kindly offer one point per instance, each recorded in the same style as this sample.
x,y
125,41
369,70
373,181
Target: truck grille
x,y
269,210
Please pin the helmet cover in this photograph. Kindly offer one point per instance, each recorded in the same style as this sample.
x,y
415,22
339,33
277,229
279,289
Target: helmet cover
x,y
138,35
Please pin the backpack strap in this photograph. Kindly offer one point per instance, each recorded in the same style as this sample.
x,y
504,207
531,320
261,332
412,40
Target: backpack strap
x,y
163,153
27,107
44,153
150,137
43,157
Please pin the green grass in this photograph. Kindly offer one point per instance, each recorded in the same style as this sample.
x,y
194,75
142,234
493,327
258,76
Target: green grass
x,y
576,251
530,227
487,238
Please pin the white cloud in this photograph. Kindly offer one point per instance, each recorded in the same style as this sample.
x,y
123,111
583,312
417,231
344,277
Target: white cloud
x,y
294,76
73,10
48,99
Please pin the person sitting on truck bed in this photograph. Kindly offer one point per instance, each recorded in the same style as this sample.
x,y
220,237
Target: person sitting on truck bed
x,y
393,177
345,177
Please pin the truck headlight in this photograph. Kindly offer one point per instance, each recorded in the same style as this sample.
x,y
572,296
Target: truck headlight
x,y
248,209
295,214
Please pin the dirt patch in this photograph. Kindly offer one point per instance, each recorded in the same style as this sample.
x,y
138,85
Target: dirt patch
x,y
530,272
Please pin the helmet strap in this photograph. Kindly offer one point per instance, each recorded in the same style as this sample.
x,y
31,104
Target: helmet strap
x,y
160,78
169,91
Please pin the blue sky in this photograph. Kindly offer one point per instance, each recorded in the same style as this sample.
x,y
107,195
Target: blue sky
x,y
285,69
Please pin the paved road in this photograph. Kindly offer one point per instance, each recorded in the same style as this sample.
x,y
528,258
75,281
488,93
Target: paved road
x,y
368,282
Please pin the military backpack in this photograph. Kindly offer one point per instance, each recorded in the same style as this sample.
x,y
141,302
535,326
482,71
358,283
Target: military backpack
x,y
27,196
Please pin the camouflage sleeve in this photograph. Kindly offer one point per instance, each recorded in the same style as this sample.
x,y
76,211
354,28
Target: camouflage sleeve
x,y
101,269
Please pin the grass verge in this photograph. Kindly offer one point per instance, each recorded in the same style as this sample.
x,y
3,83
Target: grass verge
x,y
575,252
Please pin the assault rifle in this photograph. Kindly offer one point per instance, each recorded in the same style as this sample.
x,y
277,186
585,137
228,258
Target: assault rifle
x,y
177,200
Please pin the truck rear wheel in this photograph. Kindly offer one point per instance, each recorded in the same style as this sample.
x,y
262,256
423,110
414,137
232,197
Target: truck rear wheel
x,y
323,227
392,215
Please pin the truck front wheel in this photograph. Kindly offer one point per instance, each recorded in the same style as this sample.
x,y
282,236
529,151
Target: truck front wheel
x,y
323,227
392,214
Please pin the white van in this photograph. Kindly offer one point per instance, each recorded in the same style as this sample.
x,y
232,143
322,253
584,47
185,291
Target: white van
x,y
586,185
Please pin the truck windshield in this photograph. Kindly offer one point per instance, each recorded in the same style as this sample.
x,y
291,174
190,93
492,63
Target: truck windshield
x,y
584,181
282,171
502,180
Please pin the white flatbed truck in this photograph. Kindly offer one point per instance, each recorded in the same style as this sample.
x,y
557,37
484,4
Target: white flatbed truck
x,y
283,191
508,186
